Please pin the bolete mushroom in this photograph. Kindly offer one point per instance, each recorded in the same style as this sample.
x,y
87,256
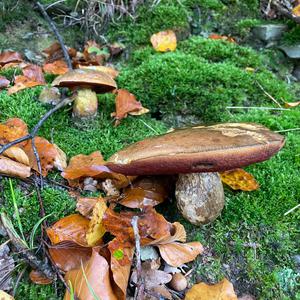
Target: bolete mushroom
x,y
87,83
201,150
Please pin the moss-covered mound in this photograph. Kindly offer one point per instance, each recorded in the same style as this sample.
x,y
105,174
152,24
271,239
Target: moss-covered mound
x,y
201,84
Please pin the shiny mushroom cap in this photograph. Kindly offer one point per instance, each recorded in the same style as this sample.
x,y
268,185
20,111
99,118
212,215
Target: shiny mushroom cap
x,y
90,79
197,149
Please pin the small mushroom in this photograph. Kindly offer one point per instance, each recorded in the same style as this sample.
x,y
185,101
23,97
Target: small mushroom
x,y
86,83
198,149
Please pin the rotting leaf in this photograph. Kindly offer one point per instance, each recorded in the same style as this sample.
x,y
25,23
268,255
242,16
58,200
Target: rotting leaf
x,y
13,129
164,41
68,255
220,291
21,83
71,228
126,103
96,228
239,179
4,82
12,168
10,56
39,278
34,73
86,205
58,67
92,280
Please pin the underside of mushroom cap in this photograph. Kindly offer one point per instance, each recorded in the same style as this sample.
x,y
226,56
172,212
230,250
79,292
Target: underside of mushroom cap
x,y
97,81
197,149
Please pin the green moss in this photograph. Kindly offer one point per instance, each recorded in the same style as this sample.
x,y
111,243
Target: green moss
x,y
243,27
166,15
180,84
205,4
221,51
292,36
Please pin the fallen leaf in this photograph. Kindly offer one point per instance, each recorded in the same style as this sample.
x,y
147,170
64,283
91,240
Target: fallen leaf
x,y
96,228
68,256
176,254
146,191
5,296
13,129
239,179
22,82
164,41
58,67
296,10
71,228
220,291
54,52
4,82
92,280
107,70
49,155
116,48
10,56
34,73
12,168
291,104
39,278
86,205
60,160
17,154
215,36
94,54
126,103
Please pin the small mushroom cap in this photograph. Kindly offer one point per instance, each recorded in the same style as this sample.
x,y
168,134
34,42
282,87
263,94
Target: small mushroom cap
x,y
197,149
90,79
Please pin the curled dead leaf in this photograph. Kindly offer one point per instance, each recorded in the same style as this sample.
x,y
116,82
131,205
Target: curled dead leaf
x,y
86,205
39,278
58,67
164,41
239,179
17,154
291,104
12,168
21,83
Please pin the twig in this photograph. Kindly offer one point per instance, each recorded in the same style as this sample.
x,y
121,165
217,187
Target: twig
x,y
267,94
256,107
291,210
59,37
287,130
139,291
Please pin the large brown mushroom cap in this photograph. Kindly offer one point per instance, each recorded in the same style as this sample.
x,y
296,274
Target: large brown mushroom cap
x,y
213,148
90,79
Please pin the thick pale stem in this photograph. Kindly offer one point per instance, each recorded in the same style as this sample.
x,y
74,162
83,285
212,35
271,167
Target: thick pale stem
x,y
85,104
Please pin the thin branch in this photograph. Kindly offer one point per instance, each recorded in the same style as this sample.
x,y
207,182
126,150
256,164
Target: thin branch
x,y
267,94
59,37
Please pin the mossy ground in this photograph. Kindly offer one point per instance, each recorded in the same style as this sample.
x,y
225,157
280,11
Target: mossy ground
x,y
197,82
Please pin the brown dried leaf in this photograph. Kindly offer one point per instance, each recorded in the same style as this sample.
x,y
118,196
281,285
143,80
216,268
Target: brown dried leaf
x,y
96,228
71,228
220,291
215,36
34,73
11,130
164,41
239,179
146,191
39,278
58,67
4,82
177,254
86,205
126,103
10,56
54,52
21,83
12,168
94,275
17,154
68,255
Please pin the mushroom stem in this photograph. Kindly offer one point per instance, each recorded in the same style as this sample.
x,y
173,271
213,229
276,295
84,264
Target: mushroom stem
x,y
200,197
85,104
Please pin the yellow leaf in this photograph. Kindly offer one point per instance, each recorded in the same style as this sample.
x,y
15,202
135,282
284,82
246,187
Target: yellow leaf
x,y
164,41
296,10
239,179
96,229
291,104
220,291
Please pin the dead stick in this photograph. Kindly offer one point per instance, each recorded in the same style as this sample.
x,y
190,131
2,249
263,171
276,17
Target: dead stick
x,y
139,292
59,37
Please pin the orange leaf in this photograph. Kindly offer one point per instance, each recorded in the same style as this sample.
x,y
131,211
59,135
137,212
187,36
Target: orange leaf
x,y
54,52
86,205
10,56
126,103
296,10
39,278
164,41
35,73
71,228
108,70
21,83
4,82
215,36
220,291
146,191
17,154
239,179
93,279
291,104
177,254
13,168
48,153
58,67
68,255
11,130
